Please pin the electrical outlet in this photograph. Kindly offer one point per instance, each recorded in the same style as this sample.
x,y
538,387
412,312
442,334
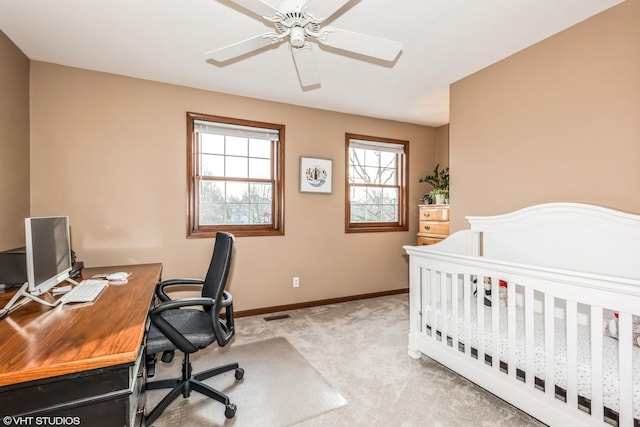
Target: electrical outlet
x,y
296,282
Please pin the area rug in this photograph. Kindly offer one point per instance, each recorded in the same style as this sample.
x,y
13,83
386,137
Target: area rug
x,y
280,388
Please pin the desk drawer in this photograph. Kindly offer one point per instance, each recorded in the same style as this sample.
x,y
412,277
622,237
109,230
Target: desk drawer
x,y
434,227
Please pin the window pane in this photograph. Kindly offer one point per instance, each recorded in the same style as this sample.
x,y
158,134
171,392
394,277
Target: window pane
x,y
212,191
358,195
390,196
356,174
237,167
211,213
260,193
237,213
387,159
358,213
260,148
212,165
389,213
237,146
259,168
373,213
372,175
372,158
388,176
237,191
260,213
212,144
374,195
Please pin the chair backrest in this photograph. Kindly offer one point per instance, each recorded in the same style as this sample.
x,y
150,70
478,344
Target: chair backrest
x,y
214,286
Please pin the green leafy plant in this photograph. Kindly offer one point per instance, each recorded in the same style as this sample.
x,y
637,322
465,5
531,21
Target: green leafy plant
x,y
440,181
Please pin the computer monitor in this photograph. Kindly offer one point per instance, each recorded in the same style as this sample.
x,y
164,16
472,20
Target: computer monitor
x,y
48,252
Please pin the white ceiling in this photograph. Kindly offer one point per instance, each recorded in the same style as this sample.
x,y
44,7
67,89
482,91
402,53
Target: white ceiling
x,y
165,40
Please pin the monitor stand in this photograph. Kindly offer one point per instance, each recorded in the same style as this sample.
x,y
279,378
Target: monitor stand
x,y
16,302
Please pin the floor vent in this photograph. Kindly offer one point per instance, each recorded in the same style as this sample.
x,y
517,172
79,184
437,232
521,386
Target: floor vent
x,y
277,317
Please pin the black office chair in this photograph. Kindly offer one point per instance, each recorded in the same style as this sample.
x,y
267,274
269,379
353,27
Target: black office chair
x,y
191,329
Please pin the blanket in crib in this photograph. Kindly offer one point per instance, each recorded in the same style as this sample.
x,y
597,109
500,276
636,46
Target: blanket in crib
x,y
610,350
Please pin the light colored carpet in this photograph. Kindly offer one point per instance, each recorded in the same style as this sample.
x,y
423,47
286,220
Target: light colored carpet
x,y
360,349
280,388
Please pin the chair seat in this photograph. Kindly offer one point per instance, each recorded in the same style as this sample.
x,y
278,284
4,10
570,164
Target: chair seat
x,y
194,325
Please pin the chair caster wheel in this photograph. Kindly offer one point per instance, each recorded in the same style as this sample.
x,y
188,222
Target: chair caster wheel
x,y
239,373
230,410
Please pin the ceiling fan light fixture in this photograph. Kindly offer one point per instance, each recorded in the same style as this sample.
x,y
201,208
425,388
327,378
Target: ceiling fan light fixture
x,y
297,36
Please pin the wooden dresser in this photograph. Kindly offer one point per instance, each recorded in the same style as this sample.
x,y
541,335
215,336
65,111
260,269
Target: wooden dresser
x,y
434,223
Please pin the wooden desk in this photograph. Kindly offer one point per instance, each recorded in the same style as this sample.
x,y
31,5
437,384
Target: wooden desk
x,y
79,360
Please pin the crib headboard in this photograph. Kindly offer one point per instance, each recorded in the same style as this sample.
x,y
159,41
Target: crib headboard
x,y
570,236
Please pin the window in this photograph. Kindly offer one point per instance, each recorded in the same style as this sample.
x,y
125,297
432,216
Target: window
x,y
376,187
235,175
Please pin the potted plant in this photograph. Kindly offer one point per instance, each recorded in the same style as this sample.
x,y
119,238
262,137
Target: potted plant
x,y
440,181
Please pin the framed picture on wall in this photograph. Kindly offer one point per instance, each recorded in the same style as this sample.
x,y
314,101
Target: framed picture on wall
x,y
315,175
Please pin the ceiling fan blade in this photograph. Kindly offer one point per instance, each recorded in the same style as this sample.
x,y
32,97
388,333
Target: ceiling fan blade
x,y
257,6
306,65
323,9
364,44
243,47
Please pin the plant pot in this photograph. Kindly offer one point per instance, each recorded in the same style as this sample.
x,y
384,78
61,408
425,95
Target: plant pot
x,y
439,199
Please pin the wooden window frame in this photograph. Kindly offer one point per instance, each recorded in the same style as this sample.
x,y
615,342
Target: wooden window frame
x,y
194,228
403,185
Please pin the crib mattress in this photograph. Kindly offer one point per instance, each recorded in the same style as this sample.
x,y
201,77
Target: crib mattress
x,y
610,351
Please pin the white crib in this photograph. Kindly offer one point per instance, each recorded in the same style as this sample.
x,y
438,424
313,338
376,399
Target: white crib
x,y
568,268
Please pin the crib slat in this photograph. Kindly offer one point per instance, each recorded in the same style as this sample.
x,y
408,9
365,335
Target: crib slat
x,y
480,314
424,304
597,410
529,337
625,374
495,323
511,328
549,345
443,306
468,291
572,354
454,309
433,304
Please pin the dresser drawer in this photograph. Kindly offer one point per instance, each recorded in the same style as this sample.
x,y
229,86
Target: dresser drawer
x,y
434,214
434,227
422,240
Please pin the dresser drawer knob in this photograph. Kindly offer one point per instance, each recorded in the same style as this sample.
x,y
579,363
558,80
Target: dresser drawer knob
x,y
427,227
427,215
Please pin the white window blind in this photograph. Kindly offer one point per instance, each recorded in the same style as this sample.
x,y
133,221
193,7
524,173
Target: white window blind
x,y
227,129
377,146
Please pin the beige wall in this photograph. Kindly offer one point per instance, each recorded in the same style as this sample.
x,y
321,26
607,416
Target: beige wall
x,y
109,151
442,145
559,121
14,143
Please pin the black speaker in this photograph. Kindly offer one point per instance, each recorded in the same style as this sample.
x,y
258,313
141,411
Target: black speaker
x,y
13,267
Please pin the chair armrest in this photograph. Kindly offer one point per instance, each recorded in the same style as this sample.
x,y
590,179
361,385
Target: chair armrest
x,y
225,329
162,294
227,299
167,329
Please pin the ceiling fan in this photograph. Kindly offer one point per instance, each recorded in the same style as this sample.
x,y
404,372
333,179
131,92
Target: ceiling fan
x,y
300,21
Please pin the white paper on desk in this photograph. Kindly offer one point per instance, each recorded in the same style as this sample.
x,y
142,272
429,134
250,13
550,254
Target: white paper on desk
x,y
119,278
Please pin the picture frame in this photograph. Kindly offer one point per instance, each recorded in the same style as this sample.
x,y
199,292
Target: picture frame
x,y
316,175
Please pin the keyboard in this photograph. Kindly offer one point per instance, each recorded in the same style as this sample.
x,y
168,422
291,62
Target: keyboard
x,y
86,291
